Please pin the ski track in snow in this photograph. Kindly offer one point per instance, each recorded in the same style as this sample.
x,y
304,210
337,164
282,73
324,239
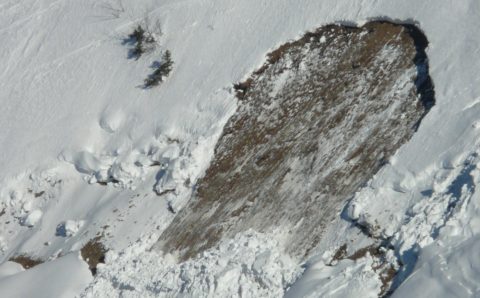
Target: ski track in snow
x,y
66,78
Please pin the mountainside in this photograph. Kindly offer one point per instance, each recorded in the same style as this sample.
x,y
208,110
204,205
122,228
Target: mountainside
x,y
114,153
313,124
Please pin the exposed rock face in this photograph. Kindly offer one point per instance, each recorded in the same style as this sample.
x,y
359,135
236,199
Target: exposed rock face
x,y
318,120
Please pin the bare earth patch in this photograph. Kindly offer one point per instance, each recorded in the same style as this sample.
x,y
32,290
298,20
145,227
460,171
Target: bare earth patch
x,y
27,262
314,124
93,253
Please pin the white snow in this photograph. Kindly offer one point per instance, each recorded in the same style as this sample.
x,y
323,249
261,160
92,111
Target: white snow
x,y
71,227
71,112
64,277
10,268
449,242
32,218
251,265
346,279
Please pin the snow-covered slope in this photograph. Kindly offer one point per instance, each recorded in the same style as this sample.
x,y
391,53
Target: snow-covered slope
x,y
72,114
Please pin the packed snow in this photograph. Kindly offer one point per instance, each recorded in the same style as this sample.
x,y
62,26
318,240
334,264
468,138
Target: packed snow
x,y
250,265
346,279
64,277
82,144
32,218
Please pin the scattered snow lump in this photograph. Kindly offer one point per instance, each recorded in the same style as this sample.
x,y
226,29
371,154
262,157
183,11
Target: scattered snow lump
x,y
32,218
174,161
250,265
346,279
69,228
111,120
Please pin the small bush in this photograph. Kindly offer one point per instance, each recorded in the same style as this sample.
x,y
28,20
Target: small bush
x,y
162,70
138,35
143,40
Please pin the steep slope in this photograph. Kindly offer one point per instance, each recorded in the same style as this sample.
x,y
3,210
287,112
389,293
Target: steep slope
x,y
313,124
85,151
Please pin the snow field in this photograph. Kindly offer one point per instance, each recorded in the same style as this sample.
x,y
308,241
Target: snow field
x,y
69,91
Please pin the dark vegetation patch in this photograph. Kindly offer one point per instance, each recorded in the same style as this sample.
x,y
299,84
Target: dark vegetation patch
x,y
93,252
26,261
314,124
141,41
161,70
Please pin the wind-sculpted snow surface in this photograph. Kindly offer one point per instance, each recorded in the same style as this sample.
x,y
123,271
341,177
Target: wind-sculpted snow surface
x,y
314,123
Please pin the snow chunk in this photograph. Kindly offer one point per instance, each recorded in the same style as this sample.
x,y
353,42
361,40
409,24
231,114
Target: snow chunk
x,y
354,210
251,264
110,121
346,279
84,162
33,218
69,228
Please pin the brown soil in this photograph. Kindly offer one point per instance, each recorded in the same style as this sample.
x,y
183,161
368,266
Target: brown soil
x,y
26,261
93,253
314,124
340,254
